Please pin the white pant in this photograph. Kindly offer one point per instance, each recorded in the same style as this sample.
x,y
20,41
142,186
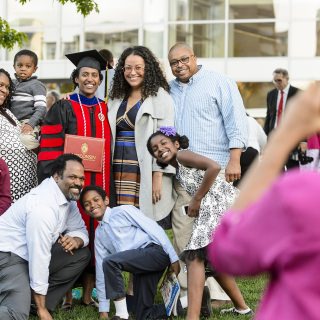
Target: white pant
x,y
30,140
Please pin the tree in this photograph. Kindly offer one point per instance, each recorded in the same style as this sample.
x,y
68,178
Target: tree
x,y
9,37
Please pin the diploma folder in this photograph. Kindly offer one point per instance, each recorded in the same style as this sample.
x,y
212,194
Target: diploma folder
x,y
170,291
89,149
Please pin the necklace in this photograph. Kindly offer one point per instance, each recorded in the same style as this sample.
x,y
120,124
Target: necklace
x,y
101,117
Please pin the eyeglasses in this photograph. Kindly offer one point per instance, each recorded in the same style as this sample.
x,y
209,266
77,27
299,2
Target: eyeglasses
x,y
183,60
136,68
277,80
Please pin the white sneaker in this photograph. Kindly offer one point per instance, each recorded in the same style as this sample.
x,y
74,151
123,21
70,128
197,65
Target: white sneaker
x,y
236,311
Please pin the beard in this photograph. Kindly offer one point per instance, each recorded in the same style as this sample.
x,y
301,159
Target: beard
x,y
71,196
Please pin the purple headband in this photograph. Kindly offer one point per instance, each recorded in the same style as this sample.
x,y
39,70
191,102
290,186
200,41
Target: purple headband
x,y
168,131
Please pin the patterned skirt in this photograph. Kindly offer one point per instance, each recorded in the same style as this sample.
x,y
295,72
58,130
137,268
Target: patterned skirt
x,y
126,169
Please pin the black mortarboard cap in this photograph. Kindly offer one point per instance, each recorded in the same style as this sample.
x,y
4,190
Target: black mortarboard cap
x,y
90,59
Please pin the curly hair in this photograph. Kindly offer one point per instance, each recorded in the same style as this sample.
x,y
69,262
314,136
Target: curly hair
x,y
183,142
153,75
75,74
6,104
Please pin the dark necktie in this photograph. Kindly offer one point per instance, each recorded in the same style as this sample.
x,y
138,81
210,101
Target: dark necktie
x,y
106,86
280,108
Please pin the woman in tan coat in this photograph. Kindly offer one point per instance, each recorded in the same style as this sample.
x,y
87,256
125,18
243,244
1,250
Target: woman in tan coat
x,y
139,103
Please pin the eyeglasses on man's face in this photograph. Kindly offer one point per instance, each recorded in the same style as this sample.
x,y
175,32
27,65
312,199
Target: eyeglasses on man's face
x,y
137,68
183,60
277,80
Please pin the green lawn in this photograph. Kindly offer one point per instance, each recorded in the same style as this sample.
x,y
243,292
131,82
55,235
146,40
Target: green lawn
x,y
250,287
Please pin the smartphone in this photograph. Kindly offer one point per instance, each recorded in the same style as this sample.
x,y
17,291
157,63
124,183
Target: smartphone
x,y
184,210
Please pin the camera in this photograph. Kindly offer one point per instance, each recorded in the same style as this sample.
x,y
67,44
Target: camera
x,y
303,158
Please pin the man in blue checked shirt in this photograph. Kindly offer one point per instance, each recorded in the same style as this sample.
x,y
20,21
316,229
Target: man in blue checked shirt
x,y
127,240
209,111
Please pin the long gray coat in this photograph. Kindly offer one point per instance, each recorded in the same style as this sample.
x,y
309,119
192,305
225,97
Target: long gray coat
x,y
154,112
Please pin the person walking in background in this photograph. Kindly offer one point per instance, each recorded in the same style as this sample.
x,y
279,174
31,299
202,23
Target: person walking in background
x,y
257,139
22,163
210,112
313,153
42,243
83,114
108,73
211,196
139,103
108,57
5,195
277,99
52,98
273,225
28,102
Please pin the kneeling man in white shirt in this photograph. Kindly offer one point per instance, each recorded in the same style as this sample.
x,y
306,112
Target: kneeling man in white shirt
x,y
42,243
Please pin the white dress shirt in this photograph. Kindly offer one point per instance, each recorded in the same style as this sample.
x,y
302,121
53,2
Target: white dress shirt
x,y
100,93
125,228
257,138
32,225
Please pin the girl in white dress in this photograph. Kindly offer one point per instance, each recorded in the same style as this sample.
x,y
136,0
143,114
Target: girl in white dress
x,y
211,197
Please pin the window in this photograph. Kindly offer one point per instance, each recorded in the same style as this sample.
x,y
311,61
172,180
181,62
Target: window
x,y
184,10
248,9
153,39
256,40
207,40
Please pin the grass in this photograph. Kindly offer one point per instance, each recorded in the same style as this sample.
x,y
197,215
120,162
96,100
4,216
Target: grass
x,y
250,287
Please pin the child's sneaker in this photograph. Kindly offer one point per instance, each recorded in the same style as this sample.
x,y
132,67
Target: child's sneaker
x,y
236,311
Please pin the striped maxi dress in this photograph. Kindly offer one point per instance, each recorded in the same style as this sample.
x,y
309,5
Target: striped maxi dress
x,y
125,162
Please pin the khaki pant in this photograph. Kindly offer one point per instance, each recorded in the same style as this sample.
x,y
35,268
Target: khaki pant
x,y
30,140
182,229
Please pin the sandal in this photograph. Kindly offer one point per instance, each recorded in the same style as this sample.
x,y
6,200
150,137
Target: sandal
x,y
92,303
66,306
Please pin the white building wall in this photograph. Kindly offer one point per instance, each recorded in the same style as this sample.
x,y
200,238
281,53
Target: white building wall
x,y
151,24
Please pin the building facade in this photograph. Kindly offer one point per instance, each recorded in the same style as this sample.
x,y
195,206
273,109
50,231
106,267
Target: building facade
x,y
245,39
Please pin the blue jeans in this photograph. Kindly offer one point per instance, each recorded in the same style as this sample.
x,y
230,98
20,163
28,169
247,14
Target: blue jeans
x,y
147,266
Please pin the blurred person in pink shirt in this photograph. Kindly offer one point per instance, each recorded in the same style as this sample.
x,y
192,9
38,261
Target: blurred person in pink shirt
x,y
273,225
